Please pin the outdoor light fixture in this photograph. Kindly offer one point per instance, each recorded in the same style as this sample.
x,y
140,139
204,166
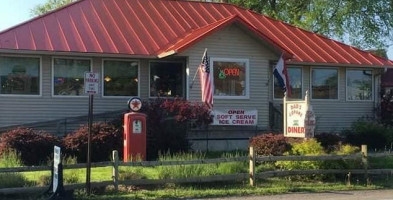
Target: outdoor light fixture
x,y
107,79
136,79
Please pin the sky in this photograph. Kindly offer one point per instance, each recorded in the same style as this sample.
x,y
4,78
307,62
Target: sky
x,y
13,12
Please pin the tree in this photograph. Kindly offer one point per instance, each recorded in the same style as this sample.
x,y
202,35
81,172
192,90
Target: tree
x,y
49,6
364,23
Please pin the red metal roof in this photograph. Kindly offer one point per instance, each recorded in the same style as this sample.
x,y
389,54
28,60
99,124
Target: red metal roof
x,y
160,27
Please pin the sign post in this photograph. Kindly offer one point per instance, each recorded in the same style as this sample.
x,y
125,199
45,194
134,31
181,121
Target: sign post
x,y
299,118
91,87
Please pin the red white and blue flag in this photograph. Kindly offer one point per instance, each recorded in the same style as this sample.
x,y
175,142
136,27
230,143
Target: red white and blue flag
x,y
206,84
281,73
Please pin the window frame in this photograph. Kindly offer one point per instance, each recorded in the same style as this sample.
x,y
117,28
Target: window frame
x,y
338,84
184,77
40,74
53,73
302,90
372,84
246,61
103,76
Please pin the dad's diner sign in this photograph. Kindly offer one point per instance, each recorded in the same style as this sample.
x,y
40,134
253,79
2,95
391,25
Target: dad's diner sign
x,y
299,118
235,117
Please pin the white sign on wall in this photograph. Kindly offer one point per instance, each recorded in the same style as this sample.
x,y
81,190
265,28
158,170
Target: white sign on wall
x,y
91,83
299,118
235,117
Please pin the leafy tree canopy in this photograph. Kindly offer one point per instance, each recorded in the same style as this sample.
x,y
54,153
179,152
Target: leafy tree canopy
x,y
48,6
364,23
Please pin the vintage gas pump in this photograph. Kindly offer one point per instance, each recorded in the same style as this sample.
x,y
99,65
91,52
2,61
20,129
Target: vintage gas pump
x,y
134,132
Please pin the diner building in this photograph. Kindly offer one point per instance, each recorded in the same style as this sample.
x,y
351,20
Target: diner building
x,y
153,48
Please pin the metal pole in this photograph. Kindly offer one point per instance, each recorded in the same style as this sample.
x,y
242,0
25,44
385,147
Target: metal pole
x,y
90,124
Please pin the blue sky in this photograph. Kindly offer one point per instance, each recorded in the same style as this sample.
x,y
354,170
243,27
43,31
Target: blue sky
x,y
13,12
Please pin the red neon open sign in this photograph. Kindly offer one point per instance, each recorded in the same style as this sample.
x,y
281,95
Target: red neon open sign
x,y
231,71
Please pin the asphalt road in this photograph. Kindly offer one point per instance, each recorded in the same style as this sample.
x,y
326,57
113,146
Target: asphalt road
x,y
336,195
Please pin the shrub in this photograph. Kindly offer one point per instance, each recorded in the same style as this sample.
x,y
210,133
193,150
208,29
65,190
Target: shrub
x,y
44,180
10,158
167,122
374,134
9,180
306,148
34,147
104,139
270,144
184,171
329,141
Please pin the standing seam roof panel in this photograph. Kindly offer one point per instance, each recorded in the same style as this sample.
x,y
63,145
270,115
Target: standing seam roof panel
x,y
148,27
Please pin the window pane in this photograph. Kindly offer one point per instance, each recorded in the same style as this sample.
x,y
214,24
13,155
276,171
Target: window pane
x,y
295,82
324,84
229,78
359,84
166,79
120,78
69,76
20,75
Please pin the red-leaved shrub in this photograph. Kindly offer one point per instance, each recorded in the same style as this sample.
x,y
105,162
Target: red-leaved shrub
x,y
104,139
329,141
34,147
270,144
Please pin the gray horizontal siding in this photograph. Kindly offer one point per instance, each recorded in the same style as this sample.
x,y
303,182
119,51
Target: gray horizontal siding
x,y
234,42
336,115
20,110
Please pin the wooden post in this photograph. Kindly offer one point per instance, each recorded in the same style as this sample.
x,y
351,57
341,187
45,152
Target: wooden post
x,y
365,163
115,170
252,166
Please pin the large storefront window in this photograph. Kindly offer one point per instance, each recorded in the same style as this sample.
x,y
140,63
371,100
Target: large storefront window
x,y
324,83
167,79
359,85
19,75
230,77
120,78
68,76
295,82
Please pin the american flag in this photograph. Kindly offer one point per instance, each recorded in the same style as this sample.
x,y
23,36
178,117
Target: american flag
x,y
206,84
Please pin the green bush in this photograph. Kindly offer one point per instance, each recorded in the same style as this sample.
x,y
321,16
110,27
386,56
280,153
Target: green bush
x,y
130,173
9,180
270,144
184,171
10,158
196,170
374,134
34,147
44,180
306,148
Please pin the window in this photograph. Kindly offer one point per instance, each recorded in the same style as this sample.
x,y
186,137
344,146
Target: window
x,y
19,75
324,83
359,84
230,77
68,76
120,78
167,79
295,82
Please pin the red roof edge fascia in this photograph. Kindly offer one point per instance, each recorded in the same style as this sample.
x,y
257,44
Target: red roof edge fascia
x,y
40,16
203,32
